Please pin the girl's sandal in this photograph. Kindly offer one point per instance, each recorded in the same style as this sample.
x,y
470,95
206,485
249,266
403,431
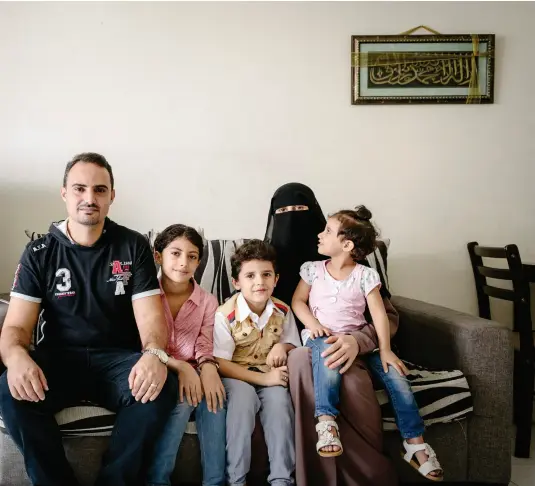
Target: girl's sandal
x,y
326,438
431,465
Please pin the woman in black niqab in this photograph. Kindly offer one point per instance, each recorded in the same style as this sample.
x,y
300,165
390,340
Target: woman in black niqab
x,y
294,221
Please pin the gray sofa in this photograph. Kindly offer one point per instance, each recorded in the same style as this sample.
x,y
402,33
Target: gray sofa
x,y
476,450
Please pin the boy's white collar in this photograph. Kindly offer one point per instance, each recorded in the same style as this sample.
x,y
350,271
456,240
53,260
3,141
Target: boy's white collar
x,y
244,311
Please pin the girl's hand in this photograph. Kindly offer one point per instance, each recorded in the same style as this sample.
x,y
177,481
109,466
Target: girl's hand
x,y
213,388
344,349
189,383
277,356
317,330
389,358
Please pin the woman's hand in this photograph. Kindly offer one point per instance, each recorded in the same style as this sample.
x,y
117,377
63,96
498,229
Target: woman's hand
x,y
343,351
213,388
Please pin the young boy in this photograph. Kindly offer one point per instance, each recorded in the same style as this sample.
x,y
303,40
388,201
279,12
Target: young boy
x,y
253,334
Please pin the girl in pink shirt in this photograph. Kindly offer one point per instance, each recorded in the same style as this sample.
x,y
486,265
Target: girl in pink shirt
x,y
337,291
190,313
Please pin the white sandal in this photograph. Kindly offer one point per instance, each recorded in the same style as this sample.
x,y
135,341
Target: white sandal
x,y
327,438
429,466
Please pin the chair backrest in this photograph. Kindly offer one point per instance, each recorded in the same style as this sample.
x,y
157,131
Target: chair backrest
x,y
519,295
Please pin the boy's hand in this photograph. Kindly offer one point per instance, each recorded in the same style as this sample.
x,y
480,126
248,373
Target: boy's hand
x,y
277,356
276,377
213,388
318,330
189,383
389,358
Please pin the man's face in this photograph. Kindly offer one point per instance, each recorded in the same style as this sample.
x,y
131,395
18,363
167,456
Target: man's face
x,y
88,194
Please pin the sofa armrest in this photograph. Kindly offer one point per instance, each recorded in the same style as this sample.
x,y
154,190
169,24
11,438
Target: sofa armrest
x,y
442,338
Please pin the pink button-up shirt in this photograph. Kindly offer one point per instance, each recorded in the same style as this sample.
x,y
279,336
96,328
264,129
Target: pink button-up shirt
x,y
191,334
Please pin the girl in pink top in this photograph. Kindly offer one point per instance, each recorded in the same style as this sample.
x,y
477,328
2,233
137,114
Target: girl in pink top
x,y
337,291
190,313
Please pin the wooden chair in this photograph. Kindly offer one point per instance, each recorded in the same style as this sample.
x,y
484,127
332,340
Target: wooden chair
x,y
524,374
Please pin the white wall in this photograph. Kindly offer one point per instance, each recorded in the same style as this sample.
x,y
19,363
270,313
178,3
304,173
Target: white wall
x,y
205,109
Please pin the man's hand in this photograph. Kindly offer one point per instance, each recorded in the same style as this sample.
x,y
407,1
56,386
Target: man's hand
x,y
25,379
213,388
343,349
189,384
277,356
317,330
276,377
147,378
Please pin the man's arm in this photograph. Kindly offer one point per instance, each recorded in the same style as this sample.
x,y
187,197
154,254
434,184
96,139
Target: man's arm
x,y
20,321
150,320
148,375
25,378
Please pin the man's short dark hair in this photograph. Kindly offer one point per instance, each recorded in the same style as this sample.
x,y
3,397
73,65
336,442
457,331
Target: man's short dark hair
x,y
88,158
252,250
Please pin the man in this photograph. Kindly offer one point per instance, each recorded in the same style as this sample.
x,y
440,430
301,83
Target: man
x,y
91,285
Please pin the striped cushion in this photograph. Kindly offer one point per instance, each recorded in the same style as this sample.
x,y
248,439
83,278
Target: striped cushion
x,y
442,396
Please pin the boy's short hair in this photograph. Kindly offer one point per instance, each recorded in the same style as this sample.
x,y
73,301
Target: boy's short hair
x,y
252,250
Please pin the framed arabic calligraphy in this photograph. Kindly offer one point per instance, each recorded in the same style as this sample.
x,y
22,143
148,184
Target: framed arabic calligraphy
x,y
422,69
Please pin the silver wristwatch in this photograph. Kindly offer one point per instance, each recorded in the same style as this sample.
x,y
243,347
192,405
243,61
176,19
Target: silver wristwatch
x,y
159,353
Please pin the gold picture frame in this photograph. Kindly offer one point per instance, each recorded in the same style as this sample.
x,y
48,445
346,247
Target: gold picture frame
x,y
394,69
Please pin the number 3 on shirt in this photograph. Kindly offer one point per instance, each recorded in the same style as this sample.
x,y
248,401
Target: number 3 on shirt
x,y
66,277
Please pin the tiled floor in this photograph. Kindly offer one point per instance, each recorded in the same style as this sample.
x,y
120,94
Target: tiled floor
x,y
524,469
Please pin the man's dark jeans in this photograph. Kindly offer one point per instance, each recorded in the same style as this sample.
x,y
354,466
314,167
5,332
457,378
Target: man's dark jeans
x,y
99,376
